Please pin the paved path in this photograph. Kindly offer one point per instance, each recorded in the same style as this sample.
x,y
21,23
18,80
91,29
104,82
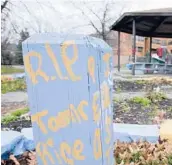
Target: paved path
x,y
12,101
22,96
14,97
128,95
126,74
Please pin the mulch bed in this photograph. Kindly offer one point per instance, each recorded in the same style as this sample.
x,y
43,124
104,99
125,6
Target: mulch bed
x,y
133,113
141,85
17,125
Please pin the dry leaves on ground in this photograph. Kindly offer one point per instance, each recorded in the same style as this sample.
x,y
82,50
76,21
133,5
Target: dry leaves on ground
x,y
143,153
28,158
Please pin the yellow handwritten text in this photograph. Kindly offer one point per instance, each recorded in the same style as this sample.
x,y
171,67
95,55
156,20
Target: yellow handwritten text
x,y
66,153
69,62
44,152
62,119
91,68
97,147
33,74
54,60
106,59
105,94
108,131
37,118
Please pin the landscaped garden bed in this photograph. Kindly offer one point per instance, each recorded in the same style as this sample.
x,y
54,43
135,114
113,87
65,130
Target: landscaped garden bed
x,y
142,85
10,85
143,153
16,120
142,110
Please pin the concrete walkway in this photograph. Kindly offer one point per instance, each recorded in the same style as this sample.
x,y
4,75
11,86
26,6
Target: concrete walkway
x,y
125,74
22,96
14,97
128,95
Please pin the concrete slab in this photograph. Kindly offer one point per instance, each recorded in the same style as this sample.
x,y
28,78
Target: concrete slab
x,y
134,132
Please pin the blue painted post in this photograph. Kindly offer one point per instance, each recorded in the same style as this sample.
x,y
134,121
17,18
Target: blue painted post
x,y
69,87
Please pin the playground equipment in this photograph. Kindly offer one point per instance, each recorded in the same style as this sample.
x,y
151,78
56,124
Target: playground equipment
x,y
161,62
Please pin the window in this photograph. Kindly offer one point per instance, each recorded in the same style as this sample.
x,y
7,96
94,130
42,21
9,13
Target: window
x,y
139,38
153,51
170,42
164,43
156,41
139,49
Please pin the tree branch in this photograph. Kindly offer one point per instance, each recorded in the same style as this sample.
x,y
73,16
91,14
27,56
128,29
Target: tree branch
x,y
4,5
91,22
93,12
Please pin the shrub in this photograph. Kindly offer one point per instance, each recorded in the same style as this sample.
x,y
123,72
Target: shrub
x,y
12,85
14,115
20,112
156,96
141,100
8,118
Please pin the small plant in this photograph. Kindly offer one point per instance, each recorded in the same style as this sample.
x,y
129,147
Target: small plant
x,y
169,159
125,107
8,118
140,82
156,96
141,100
14,115
129,77
116,100
20,112
118,90
169,109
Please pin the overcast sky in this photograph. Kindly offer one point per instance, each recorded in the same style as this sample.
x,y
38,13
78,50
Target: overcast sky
x,y
63,16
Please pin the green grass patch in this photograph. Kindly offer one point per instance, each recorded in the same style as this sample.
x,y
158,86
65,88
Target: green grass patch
x,y
116,100
141,100
10,70
14,115
118,90
12,86
140,82
20,112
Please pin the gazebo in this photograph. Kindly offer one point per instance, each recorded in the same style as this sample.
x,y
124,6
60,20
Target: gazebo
x,y
150,23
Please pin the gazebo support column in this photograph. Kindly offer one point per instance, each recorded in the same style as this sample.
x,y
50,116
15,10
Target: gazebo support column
x,y
119,51
134,47
150,50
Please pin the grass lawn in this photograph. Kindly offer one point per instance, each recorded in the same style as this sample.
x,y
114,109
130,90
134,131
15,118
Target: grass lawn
x,y
10,70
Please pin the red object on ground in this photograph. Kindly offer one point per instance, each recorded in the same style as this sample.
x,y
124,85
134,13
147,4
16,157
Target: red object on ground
x,y
159,52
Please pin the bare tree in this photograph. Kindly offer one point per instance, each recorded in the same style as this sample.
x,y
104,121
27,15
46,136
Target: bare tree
x,y
5,33
104,19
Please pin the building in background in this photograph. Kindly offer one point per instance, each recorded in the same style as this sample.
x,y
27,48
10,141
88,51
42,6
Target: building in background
x,y
142,46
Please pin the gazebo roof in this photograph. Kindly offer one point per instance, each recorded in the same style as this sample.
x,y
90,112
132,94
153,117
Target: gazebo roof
x,y
149,23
